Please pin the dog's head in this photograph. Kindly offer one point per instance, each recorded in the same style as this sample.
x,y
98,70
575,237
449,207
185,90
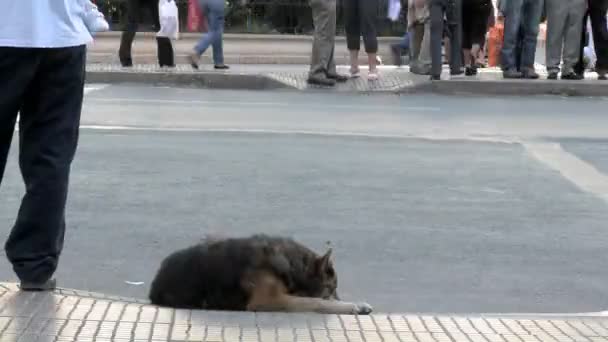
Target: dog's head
x,y
323,278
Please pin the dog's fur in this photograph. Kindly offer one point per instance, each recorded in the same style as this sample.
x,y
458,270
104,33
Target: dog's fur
x,y
258,273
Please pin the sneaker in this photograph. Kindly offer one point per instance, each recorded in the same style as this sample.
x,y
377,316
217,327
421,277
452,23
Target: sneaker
x,y
435,78
572,76
338,78
194,59
321,81
470,71
221,67
511,74
372,76
552,75
355,73
48,285
530,74
602,77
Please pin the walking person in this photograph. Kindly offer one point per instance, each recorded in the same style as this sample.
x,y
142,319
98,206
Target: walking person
x,y
360,20
564,32
322,65
451,10
42,67
527,15
475,19
215,12
164,47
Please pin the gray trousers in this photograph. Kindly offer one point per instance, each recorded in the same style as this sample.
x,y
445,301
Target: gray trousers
x,y
324,19
564,32
421,48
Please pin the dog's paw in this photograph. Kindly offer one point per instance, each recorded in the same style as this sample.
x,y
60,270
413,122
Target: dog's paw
x,y
363,309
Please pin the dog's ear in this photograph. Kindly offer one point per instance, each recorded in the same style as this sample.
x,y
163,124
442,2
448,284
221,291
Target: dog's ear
x,y
322,263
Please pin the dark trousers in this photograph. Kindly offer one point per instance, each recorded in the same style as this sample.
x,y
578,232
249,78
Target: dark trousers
x,y
452,9
597,14
134,11
360,20
45,86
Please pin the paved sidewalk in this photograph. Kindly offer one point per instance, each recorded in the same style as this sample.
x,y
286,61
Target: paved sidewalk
x,y
238,49
293,77
69,315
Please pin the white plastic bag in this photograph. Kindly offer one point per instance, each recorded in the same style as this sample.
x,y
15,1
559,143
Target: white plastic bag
x,y
394,9
169,19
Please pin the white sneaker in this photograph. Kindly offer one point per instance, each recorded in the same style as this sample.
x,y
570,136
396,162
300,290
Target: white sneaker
x,y
372,76
355,73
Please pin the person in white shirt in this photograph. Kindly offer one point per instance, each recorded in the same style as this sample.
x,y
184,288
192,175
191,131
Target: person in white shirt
x,y
42,68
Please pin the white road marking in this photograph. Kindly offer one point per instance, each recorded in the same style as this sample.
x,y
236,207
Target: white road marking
x,y
117,100
582,174
93,87
437,137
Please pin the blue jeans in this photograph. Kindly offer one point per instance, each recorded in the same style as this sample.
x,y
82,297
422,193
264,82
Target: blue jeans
x,y
524,13
214,11
405,42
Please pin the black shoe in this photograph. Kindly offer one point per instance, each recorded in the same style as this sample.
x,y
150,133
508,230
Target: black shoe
x,y
126,63
602,77
321,80
530,74
470,71
48,285
221,67
435,78
572,76
456,72
511,74
552,75
338,78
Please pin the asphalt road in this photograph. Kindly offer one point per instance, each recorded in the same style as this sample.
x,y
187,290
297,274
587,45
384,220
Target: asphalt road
x,y
432,204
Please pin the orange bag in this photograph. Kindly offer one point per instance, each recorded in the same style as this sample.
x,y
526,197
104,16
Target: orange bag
x,y
496,37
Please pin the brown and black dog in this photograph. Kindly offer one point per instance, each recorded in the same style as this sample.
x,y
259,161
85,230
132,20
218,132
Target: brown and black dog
x,y
257,273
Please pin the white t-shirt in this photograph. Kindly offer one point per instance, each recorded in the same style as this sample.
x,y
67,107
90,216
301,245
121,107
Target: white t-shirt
x,y
43,23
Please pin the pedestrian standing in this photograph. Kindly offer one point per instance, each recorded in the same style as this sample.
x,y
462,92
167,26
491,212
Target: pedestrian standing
x,y
42,67
322,65
403,46
420,30
360,20
527,15
215,12
451,11
564,36
475,18
135,9
599,28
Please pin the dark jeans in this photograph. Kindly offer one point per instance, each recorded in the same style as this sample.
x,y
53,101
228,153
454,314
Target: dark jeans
x,y
453,11
134,11
45,86
360,20
525,14
597,13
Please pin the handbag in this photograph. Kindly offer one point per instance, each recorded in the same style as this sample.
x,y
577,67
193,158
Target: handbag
x,y
169,19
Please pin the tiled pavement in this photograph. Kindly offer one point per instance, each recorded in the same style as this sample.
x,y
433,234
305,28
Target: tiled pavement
x,y
68,315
